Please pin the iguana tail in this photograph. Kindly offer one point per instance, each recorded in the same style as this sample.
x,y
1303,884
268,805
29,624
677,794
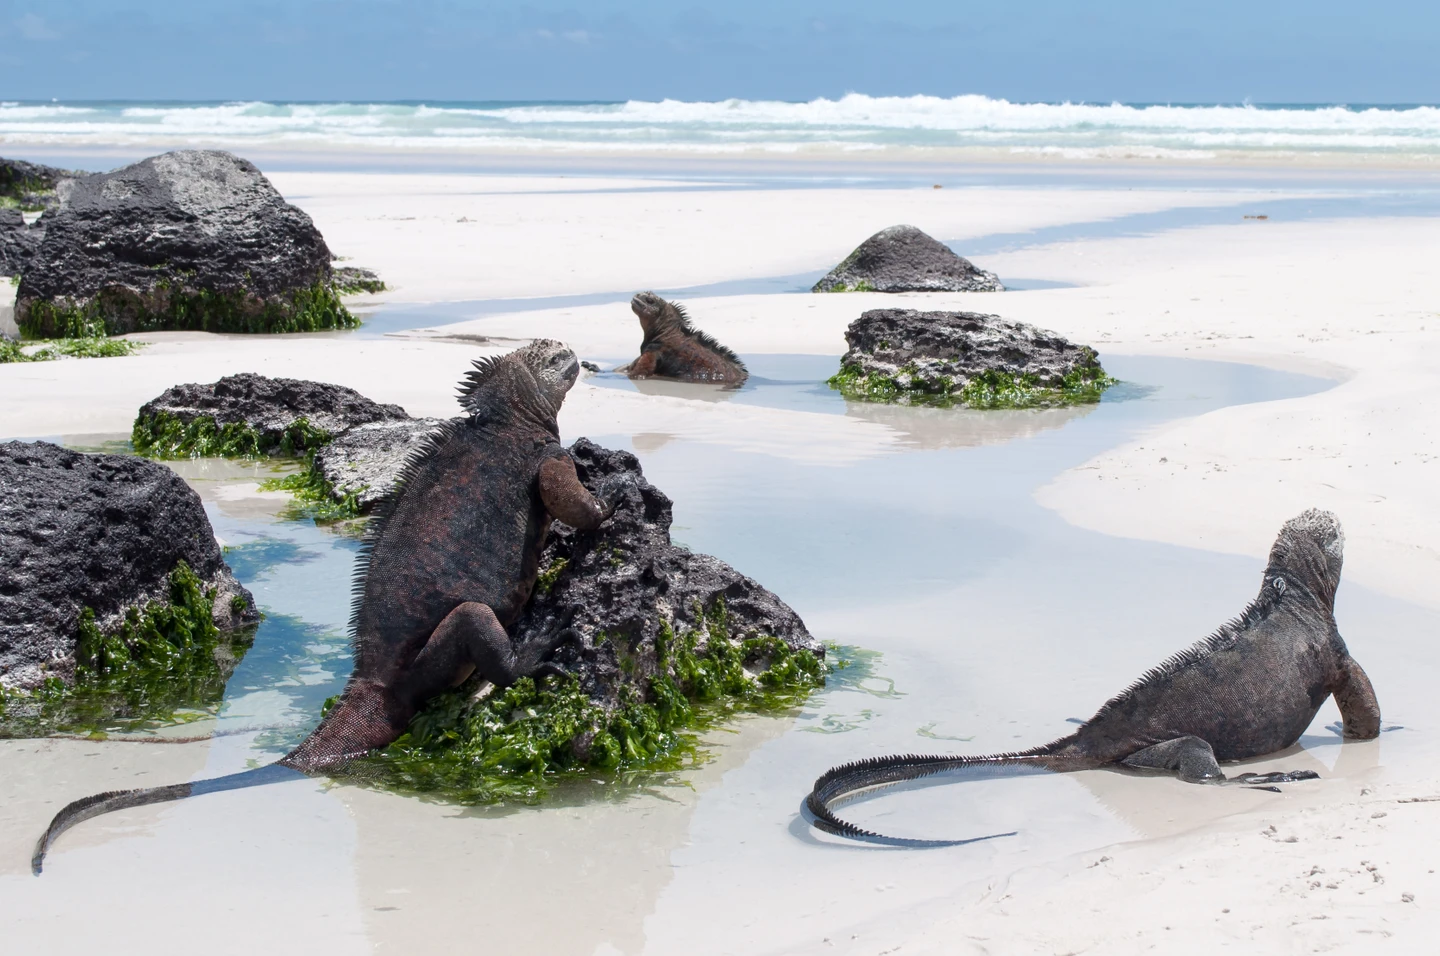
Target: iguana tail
x,y
93,806
876,771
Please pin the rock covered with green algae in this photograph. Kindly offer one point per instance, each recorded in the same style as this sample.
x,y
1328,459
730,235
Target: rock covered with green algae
x,y
110,565
908,356
31,186
251,415
192,239
663,641
354,447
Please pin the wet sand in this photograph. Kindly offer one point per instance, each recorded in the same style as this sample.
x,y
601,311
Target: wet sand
x,y
1012,575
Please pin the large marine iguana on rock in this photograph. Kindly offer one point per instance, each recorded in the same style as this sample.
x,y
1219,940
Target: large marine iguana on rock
x,y
449,563
673,348
1249,689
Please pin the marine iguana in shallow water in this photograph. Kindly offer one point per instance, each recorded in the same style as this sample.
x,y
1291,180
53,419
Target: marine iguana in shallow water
x,y
1249,689
673,348
449,562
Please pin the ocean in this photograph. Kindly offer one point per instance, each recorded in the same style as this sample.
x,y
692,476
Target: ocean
x,y
854,123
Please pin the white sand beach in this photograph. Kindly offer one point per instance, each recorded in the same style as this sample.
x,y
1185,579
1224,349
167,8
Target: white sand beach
x,y
1343,865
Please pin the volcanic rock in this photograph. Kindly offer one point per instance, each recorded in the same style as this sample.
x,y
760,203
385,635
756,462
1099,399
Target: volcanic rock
x,y
620,585
102,532
904,259
193,239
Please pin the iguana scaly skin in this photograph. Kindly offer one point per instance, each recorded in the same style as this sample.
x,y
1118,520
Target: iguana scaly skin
x,y
1249,689
449,562
673,348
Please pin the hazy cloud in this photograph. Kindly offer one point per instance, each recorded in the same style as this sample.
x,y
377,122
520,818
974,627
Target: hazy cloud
x,y
32,27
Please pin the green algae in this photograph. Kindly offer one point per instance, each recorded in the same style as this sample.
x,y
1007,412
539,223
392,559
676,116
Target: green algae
x,y
315,496
864,285
53,349
172,307
547,577
516,744
163,662
351,284
991,389
168,436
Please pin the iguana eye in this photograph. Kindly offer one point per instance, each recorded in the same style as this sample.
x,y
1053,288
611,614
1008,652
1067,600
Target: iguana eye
x,y
1280,585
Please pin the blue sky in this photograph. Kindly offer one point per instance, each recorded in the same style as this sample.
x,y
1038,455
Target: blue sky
x,y
1266,51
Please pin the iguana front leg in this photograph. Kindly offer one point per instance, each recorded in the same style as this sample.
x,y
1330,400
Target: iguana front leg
x,y
569,501
1359,710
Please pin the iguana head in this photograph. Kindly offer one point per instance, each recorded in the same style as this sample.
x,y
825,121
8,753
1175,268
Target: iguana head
x,y
650,309
1310,551
530,382
553,365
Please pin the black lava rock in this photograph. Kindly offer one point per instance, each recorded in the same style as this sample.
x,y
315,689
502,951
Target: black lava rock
x,y
194,239
620,583
904,259
271,406
93,531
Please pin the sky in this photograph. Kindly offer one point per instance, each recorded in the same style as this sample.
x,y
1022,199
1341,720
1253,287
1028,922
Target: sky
x,y
1136,51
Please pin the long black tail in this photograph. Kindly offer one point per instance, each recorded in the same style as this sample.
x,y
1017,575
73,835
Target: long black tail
x,y
93,806
877,771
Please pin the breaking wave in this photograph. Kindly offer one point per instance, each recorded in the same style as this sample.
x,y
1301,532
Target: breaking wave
x,y
855,122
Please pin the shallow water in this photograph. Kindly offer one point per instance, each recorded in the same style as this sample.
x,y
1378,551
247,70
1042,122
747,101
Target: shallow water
x,y
993,620
1403,199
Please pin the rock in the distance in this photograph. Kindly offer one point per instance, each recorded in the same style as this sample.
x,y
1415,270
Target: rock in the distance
x,y
362,464
192,239
620,585
18,241
904,259
909,356
102,532
263,416
32,186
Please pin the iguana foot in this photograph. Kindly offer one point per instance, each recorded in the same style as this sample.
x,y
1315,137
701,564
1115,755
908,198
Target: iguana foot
x,y
530,658
1263,779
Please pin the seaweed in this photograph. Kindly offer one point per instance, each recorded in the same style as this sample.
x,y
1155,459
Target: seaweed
x,y
172,307
164,435
991,389
315,497
163,661
516,744
67,348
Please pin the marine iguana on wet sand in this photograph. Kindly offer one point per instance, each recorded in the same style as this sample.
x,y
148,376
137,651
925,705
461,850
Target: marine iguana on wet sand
x,y
1249,689
449,562
673,348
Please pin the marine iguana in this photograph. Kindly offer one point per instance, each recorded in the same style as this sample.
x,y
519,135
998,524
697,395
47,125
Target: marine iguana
x,y
449,562
673,348
1249,689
